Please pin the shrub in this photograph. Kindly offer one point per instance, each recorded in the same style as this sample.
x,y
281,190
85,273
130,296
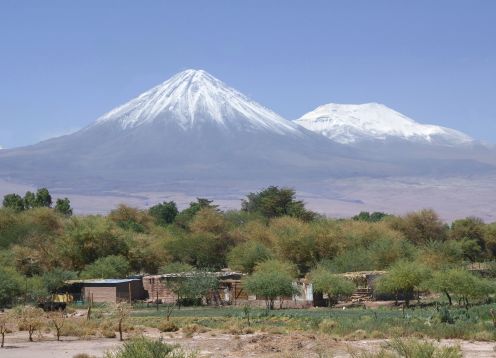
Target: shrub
x,y
145,348
245,256
421,349
10,287
272,279
193,328
107,267
327,326
334,286
168,326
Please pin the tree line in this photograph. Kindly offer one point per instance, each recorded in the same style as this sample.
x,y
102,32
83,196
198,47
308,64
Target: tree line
x,y
273,238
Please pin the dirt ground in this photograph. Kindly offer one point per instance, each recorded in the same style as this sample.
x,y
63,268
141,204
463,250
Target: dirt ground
x,y
217,344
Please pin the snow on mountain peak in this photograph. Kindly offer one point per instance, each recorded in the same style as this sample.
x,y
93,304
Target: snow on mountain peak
x,y
193,97
352,123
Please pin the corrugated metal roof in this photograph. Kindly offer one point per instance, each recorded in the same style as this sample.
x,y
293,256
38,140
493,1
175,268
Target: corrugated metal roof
x,y
104,281
196,273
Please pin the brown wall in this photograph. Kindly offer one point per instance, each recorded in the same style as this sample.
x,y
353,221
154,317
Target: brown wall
x,y
100,294
115,293
137,291
157,287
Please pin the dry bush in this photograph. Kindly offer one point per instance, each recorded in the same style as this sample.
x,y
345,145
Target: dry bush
x,y
74,327
107,329
121,312
327,326
359,334
31,319
190,329
167,326
7,324
57,320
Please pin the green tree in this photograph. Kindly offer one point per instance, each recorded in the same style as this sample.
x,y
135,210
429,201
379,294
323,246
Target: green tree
x,y
274,202
131,219
14,202
29,200
294,241
271,279
164,213
176,267
404,277
334,286
107,267
35,290
244,257
10,287
192,287
460,283
421,227
489,239
208,220
63,206
184,217
43,198
88,238
376,216
471,230
200,250
55,279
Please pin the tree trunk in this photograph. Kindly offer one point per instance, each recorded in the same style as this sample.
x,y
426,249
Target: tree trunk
x,y
407,298
449,297
3,340
30,334
58,334
120,330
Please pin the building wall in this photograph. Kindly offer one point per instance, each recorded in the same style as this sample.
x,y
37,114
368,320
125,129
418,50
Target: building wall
x,y
136,288
115,292
156,287
100,294
230,291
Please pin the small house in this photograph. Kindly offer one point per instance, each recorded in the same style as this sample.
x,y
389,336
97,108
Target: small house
x,y
107,290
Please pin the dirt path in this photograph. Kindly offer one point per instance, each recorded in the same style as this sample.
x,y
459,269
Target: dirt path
x,y
216,344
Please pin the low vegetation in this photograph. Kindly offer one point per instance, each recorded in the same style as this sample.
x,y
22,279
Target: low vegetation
x,y
147,348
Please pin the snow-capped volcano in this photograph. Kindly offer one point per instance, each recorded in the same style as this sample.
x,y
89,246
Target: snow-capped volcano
x,y
349,123
194,97
193,131
191,128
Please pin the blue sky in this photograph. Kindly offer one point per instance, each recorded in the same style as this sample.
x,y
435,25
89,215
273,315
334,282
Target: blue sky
x,y
64,63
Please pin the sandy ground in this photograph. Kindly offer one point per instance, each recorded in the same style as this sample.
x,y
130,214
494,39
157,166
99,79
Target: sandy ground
x,y
216,344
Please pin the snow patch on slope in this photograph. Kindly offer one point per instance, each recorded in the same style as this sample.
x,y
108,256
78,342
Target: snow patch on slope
x,y
350,123
192,97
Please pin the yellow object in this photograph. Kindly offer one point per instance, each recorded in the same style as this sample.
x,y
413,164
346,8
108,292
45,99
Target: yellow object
x,y
67,298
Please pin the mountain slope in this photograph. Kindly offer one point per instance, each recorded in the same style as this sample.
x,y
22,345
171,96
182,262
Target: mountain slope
x,y
194,131
191,128
192,98
349,124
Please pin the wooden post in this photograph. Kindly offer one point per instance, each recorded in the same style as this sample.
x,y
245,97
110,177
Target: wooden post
x,y
157,299
129,288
